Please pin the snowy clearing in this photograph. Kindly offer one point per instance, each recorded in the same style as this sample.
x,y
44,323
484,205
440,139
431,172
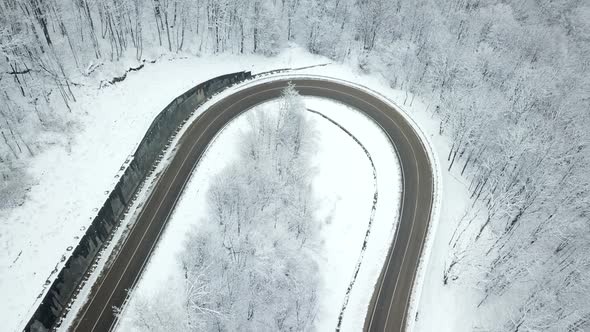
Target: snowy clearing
x,y
344,187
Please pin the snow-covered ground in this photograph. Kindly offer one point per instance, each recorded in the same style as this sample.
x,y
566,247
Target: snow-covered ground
x,y
35,237
445,308
344,187
72,183
451,307
438,307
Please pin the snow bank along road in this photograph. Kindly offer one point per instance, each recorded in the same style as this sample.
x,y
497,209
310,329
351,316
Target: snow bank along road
x,y
387,311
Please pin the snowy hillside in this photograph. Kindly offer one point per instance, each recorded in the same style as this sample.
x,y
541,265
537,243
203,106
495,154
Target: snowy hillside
x,y
500,88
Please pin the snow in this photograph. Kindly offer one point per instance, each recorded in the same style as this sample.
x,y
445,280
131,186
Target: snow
x,y
112,246
35,236
377,87
345,183
189,211
445,308
439,307
451,307
345,201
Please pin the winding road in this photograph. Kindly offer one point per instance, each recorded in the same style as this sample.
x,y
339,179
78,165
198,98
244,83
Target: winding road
x,y
390,301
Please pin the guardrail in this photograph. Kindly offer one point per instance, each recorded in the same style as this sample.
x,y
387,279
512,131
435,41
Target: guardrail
x,y
145,157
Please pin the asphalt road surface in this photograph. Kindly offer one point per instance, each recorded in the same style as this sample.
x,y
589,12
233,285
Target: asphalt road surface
x,y
390,300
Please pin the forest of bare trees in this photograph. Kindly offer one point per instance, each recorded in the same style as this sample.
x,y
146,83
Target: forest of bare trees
x,y
508,80
250,265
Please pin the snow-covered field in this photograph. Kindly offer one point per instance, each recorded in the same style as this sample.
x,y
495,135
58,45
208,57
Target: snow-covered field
x,y
34,238
344,187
